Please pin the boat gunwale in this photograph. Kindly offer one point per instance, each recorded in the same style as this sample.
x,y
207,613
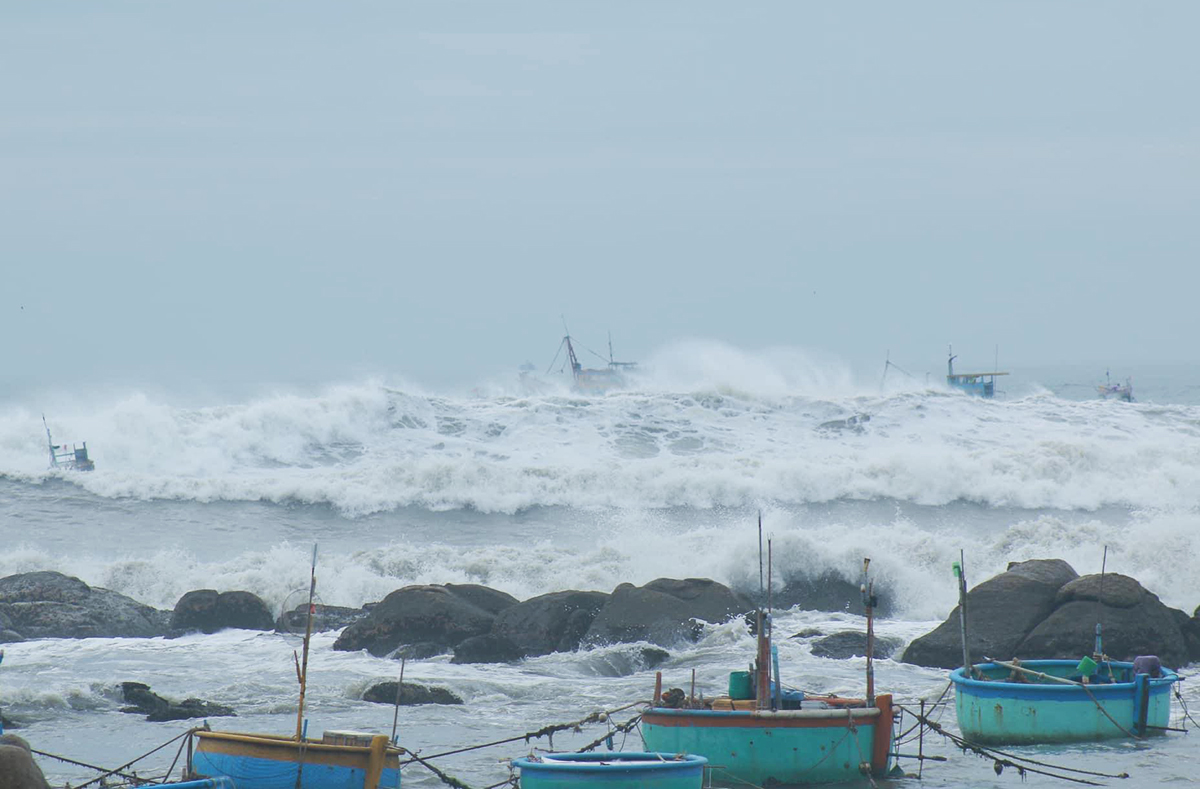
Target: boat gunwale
x,y
839,714
615,762
284,741
1055,688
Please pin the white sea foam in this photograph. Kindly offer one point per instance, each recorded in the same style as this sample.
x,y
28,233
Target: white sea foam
x,y
705,441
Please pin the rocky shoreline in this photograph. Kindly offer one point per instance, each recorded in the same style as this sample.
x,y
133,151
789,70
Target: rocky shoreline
x,y
1037,608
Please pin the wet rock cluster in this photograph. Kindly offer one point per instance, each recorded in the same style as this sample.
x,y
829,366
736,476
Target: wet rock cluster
x,y
1042,608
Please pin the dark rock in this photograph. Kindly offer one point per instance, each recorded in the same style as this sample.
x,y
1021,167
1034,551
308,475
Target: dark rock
x,y
1001,611
1135,623
548,623
10,637
827,592
1191,634
422,650
144,702
491,600
853,643
663,612
325,617
811,632
385,693
653,657
8,723
18,770
207,611
52,605
414,614
488,648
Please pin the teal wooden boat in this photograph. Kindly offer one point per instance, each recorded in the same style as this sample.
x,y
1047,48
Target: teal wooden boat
x,y
1036,701
761,735
619,770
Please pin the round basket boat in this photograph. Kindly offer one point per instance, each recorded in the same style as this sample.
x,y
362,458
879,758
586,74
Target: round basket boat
x,y
613,770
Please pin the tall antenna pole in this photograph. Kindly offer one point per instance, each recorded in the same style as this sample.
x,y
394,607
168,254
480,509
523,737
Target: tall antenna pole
x,y
1100,603
961,572
760,556
312,590
868,593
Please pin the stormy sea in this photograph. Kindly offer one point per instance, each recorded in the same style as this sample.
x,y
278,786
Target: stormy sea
x,y
531,488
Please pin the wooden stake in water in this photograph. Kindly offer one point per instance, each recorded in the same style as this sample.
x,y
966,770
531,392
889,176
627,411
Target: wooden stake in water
x,y
312,590
868,593
962,611
399,686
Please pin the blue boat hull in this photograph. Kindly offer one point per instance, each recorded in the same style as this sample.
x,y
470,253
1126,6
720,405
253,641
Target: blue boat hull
x,y
264,762
621,770
998,712
786,747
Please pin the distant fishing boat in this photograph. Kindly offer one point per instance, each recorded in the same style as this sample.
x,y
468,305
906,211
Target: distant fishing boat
x,y
761,735
70,458
1118,391
338,760
594,380
1046,701
978,384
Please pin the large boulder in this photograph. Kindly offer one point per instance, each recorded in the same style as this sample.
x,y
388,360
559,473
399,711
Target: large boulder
x,y
491,600
414,614
18,770
554,622
410,694
143,701
853,643
488,648
1191,634
207,611
1135,622
52,605
325,617
826,592
1000,612
663,612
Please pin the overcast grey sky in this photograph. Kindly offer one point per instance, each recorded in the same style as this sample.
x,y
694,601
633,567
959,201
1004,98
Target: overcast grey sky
x,y
302,192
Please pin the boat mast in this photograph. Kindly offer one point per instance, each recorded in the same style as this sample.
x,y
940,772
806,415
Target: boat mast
x,y
869,601
960,571
302,665
49,442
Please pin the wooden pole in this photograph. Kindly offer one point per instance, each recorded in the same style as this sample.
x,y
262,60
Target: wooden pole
x,y
312,590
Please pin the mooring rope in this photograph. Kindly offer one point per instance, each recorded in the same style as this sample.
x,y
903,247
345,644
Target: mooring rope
x,y
1002,759
545,731
117,771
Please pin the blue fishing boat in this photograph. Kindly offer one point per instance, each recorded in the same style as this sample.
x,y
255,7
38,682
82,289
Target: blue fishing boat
x,y
68,457
1047,701
762,735
978,384
338,760
614,770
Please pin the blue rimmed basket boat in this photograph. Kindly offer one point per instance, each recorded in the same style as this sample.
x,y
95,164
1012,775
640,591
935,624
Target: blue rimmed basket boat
x,y
994,708
619,770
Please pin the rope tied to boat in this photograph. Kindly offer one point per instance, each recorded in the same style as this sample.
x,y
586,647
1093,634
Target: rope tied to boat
x,y
119,772
1002,759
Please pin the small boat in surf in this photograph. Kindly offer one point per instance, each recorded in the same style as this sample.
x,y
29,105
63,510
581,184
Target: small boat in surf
x,y
977,384
1118,391
1055,701
67,458
614,770
337,760
1026,702
763,735
594,380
